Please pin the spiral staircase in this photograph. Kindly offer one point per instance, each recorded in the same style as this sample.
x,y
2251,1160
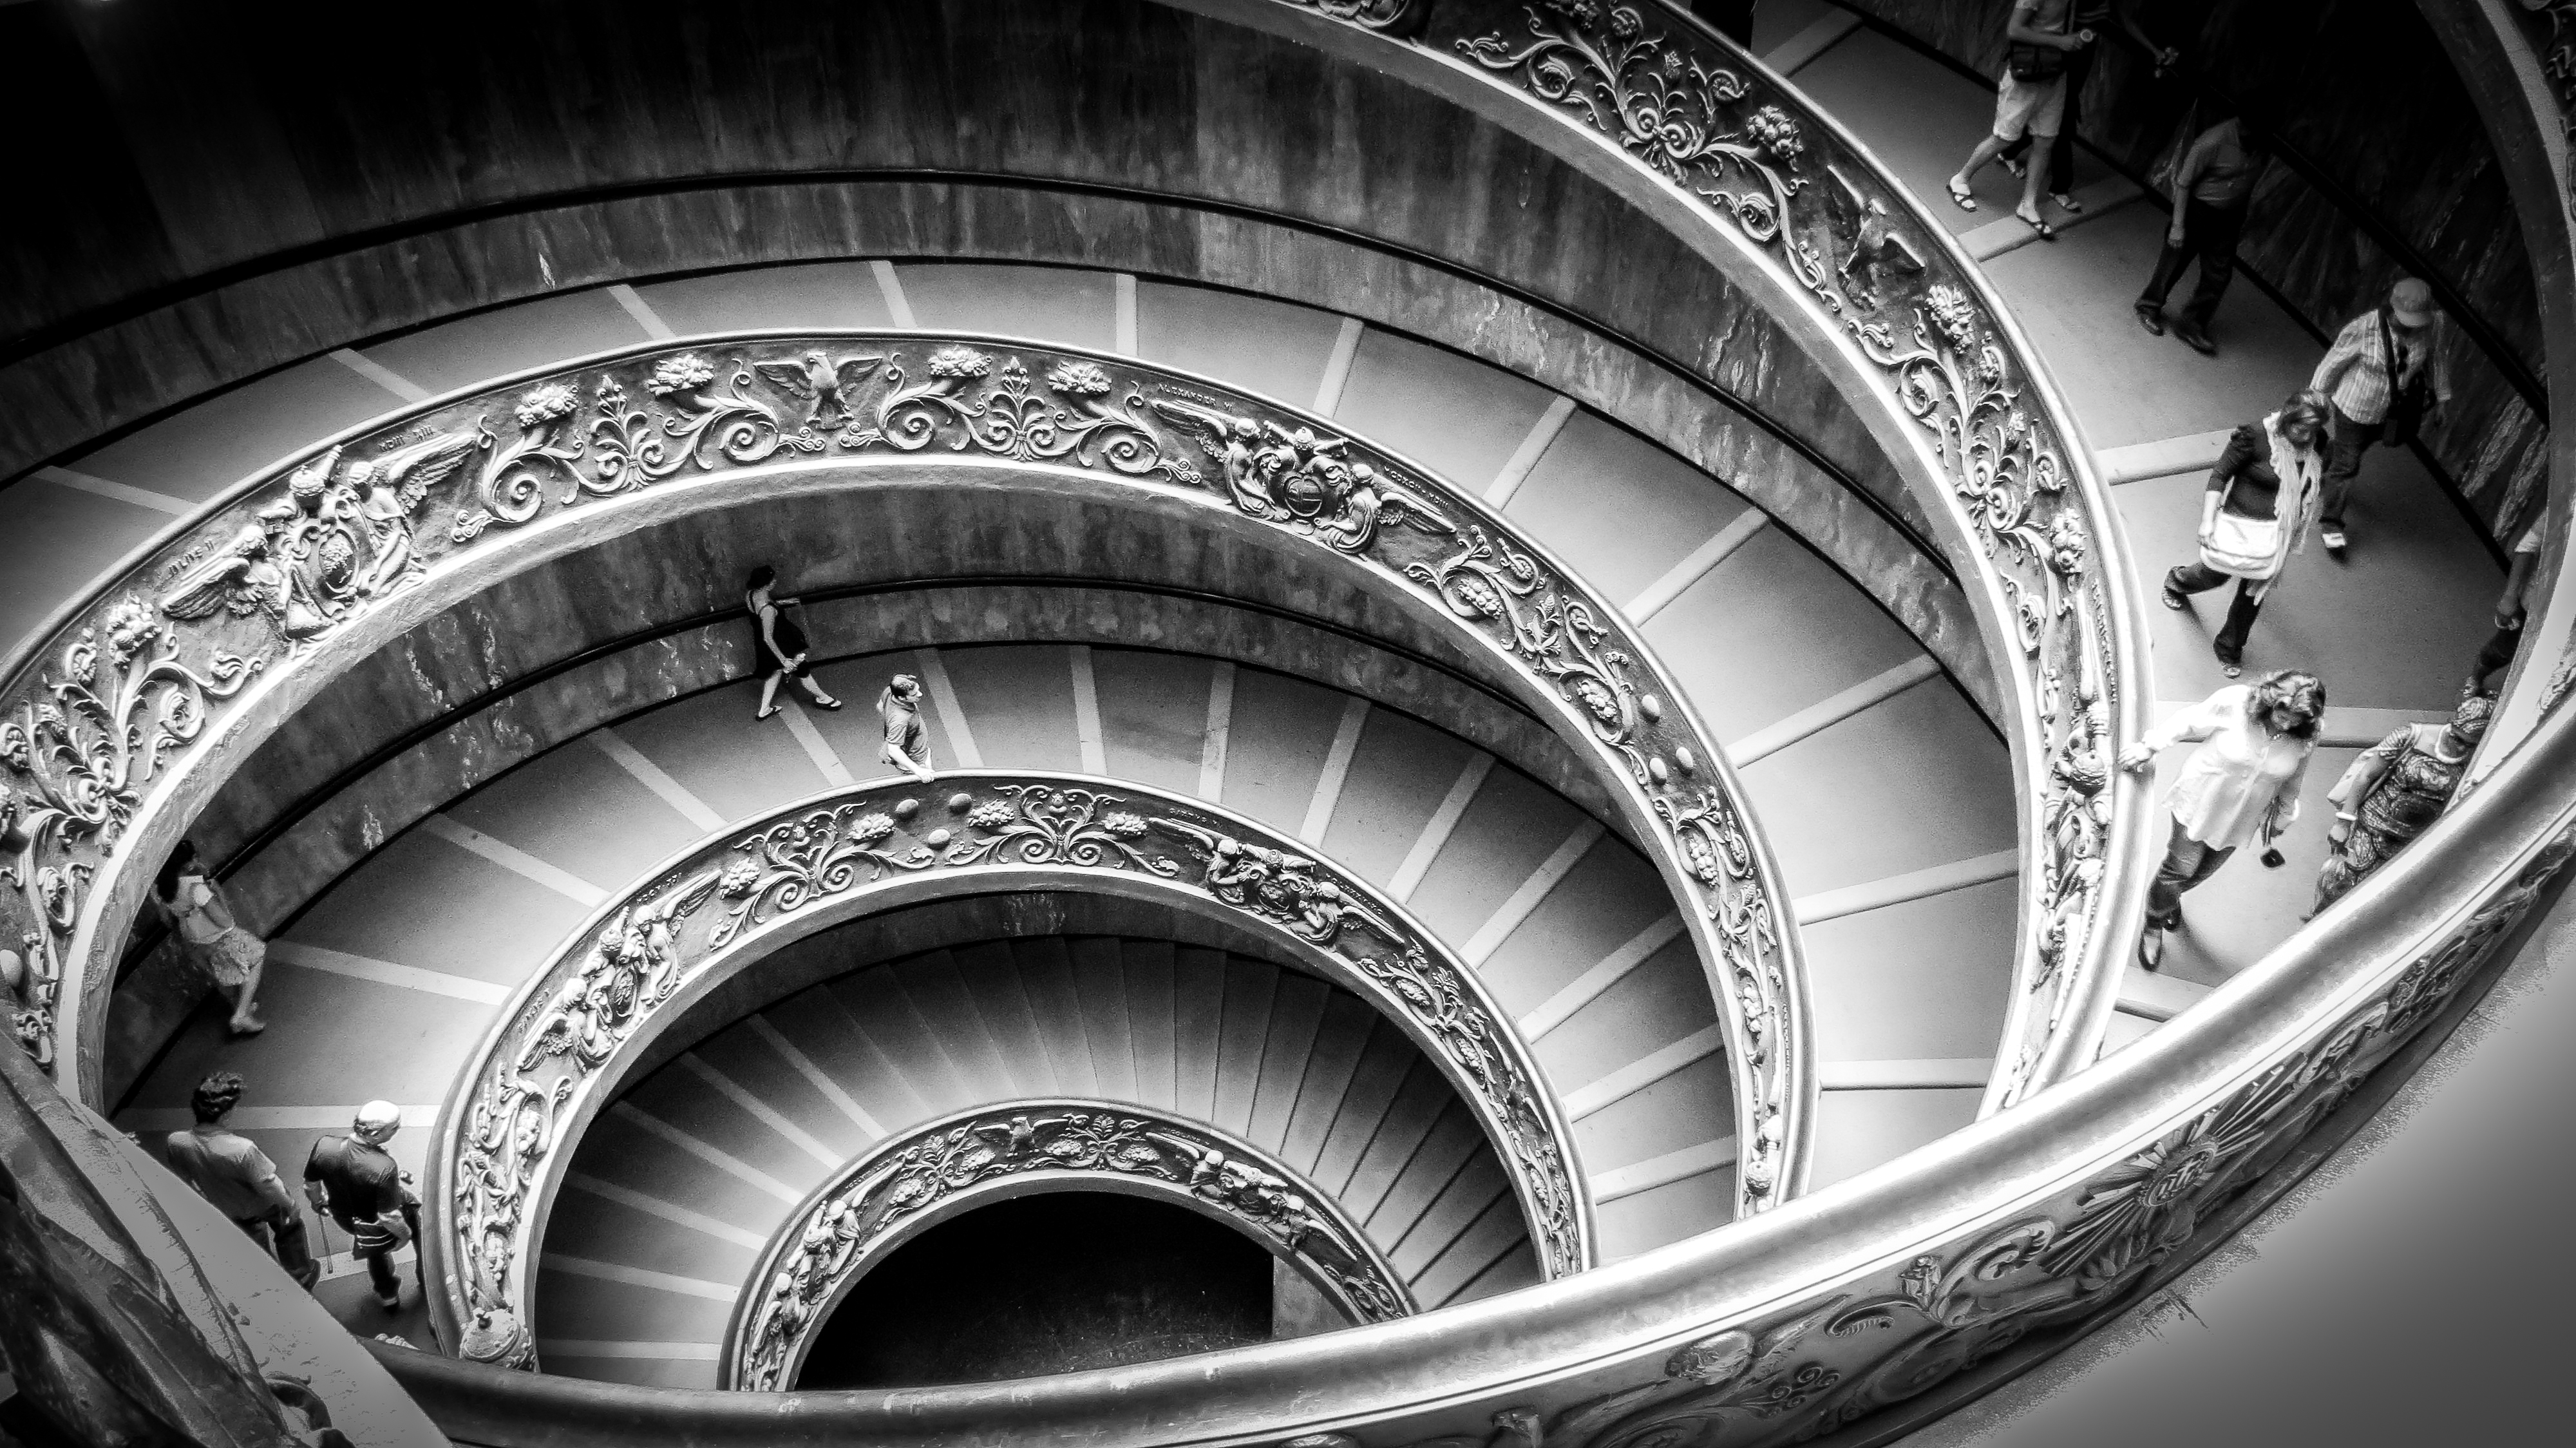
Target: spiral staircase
x,y
1783,887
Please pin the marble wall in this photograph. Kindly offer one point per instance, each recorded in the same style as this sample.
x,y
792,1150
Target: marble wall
x,y
2382,144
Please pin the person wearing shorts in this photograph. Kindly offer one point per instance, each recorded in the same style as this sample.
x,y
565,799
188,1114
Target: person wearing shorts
x,y
2027,106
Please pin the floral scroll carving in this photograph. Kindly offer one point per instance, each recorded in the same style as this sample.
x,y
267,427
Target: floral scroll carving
x,y
544,1064
292,563
1707,121
849,1224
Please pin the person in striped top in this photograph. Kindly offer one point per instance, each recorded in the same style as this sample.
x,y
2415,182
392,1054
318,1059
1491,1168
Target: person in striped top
x,y
2356,373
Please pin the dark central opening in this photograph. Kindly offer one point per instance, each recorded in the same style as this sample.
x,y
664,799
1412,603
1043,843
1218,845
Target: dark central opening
x,y
1052,1283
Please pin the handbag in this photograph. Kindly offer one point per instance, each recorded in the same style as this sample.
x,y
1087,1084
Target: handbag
x,y
2038,62
2406,403
2248,548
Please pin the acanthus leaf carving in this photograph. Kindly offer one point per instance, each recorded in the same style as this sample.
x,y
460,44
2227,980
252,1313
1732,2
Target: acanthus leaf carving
x,y
852,1220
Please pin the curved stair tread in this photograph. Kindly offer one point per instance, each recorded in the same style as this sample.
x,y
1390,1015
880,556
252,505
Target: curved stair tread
x,y
664,1198
1270,347
535,333
1057,304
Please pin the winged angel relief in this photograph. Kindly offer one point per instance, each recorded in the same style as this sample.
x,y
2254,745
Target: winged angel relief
x,y
341,538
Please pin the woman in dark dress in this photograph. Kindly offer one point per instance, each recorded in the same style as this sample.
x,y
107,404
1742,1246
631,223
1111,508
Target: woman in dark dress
x,y
2254,515
777,642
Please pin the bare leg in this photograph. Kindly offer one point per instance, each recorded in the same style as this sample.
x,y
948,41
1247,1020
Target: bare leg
x,y
769,693
1987,150
814,687
2032,182
246,1003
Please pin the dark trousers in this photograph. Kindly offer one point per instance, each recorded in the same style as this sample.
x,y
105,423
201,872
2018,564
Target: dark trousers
x,y
2499,651
2209,236
2343,465
2061,154
282,1236
2187,863
2200,578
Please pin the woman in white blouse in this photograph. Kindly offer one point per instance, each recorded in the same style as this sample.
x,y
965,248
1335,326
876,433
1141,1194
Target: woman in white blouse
x,y
2242,782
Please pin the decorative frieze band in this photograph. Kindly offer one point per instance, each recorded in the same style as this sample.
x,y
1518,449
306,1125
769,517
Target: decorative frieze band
x,y
1700,119
906,1183
169,675
545,1068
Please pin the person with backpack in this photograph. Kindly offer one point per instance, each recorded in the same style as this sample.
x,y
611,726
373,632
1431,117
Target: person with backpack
x,y
353,1180
2031,101
2386,384
2253,516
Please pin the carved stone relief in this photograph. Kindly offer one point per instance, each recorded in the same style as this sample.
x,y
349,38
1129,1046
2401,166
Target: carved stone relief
x,y
238,602
545,1062
1704,119
859,1216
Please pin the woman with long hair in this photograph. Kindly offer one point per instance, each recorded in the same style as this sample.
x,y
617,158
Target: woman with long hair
x,y
2241,784
2254,515
211,936
777,642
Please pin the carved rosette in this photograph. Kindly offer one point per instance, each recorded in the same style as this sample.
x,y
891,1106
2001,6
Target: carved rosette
x,y
1705,120
873,1204
325,545
541,1070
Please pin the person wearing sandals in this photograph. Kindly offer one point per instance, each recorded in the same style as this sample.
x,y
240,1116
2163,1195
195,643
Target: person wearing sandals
x,y
778,643
2253,516
2240,784
2032,100
2096,17
210,935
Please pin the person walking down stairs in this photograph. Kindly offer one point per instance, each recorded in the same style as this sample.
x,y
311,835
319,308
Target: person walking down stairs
x,y
238,1179
2394,791
777,642
2093,18
207,931
2253,516
2240,785
907,746
2031,101
2386,384
2213,184
354,1181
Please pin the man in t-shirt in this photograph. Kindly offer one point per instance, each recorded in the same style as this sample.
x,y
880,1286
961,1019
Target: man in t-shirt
x,y
353,1180
238,1179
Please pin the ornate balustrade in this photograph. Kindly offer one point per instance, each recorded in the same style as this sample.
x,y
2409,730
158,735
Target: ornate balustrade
x,y
1798,213
908,1183
559,1052
134,705
1801,1321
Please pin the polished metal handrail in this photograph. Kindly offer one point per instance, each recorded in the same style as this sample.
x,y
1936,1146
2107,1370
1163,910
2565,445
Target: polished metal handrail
x,y
1798,1321
1794,211
904,1185
141,698
574,1030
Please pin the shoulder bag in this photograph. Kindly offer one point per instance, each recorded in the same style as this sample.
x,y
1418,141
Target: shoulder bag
x,y
2406,403
2242,547
2038,62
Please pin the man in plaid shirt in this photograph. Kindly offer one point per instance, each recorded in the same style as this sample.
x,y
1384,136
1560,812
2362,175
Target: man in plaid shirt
x,y
2356,375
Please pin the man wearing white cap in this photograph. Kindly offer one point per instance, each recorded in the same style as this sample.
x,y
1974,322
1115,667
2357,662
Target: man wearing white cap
x,y
2378,372
353,1180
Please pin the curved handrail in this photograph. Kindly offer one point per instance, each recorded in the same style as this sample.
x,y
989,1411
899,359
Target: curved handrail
x,y
117,725
573,1030
1798,213
1798,1321
906,1184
